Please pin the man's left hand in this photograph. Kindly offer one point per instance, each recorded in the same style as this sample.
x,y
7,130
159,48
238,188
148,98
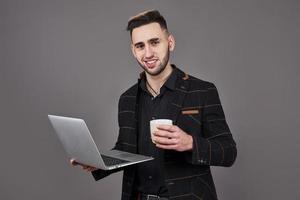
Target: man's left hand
x,y
171,137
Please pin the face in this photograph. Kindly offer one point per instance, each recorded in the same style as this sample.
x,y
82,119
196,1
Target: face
x,y
151,46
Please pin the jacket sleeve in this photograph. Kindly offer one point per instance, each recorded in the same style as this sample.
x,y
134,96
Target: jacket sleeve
x,y
215,146
100,174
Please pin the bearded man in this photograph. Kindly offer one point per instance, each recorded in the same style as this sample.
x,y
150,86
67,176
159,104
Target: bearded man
x,y
183,152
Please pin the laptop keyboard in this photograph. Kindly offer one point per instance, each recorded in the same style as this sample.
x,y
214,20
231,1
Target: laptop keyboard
x,y
109,161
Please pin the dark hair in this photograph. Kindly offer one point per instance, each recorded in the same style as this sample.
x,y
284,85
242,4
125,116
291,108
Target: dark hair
x,y
144,18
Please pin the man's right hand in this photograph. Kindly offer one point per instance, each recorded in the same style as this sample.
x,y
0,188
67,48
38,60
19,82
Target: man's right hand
x,y
86,168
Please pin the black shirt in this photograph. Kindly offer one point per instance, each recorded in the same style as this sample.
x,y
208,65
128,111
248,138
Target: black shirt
x,y
150,175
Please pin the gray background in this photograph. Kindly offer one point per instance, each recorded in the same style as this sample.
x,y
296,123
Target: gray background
x,y
72,58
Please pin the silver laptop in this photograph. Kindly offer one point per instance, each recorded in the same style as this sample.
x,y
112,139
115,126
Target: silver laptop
x,y
79,145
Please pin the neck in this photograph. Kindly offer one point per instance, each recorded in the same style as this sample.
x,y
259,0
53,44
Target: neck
x,y
156,82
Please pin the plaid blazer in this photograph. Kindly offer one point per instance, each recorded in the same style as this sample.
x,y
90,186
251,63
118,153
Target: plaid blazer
x,y
197,110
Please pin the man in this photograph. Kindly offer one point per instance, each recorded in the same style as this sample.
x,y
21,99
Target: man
x,y
183,152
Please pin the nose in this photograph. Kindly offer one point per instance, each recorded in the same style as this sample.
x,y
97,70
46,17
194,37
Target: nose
x,y
148,51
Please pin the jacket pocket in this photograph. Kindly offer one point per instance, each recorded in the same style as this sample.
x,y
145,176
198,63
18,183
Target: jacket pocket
x,y
190,112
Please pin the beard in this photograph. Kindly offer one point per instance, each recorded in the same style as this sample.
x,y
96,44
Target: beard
x,y
160,68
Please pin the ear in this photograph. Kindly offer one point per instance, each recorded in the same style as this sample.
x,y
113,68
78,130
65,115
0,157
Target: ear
x,y
171,42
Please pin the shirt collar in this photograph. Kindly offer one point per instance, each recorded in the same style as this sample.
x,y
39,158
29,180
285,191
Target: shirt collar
x,y
170,83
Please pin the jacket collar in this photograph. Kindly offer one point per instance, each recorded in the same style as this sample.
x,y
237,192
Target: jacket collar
x,y
181,89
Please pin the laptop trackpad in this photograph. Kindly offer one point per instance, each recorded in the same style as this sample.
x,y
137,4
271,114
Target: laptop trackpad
x,y
124,155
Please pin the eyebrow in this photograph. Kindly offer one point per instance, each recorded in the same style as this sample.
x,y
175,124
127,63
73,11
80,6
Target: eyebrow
x,y
138,43
150,40
153,40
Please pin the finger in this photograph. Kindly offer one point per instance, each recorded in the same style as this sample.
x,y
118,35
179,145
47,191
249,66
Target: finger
x,y
166,127
165,141
85,167
88,168
166,134
92,169
167,147
73,162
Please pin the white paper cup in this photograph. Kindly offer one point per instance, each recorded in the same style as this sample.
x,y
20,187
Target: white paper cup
x,y
155,122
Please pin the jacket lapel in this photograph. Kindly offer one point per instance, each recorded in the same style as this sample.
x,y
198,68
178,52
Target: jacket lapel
x,y
131,120
181,89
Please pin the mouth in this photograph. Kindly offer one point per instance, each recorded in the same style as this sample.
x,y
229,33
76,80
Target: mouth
x,y
151,63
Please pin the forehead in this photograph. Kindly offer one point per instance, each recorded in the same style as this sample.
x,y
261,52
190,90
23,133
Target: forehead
x,y
147,32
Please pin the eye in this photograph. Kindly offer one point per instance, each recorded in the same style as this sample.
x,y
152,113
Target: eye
x,y
139,46
154,42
